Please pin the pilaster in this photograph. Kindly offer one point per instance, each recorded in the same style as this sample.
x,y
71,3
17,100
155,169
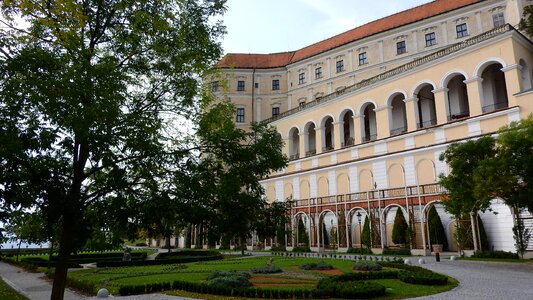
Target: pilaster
x,y
474,88
441,105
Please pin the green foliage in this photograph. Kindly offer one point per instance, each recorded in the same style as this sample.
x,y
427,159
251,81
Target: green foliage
x,y
499,254
437,235
399,229
526,23
521,235
321,265
229,279
301,249
303,237
266,270
366,266
325,235
8,293
416,275
339,287
359,251
396,251
366,233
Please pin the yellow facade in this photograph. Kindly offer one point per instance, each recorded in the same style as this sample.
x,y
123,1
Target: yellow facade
x,y
371,132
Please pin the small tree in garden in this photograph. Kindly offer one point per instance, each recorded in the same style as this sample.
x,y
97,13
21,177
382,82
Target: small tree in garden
x,y
437,234
400,229
280,236
303,237
325,234
521,235
366,233
333,236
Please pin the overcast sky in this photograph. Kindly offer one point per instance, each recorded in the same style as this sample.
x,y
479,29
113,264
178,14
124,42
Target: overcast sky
x,y
269,26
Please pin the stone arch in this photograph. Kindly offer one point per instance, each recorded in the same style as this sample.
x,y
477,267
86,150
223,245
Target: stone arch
x,y
271,194
327,132
450,74
308,224
294,142
368,121
393,94
397,112
396,175
347,129
485,63
421,84
387,227
425,112
354,228
425,171
322,186
323,218
456,97
305,189
366,180
288,191
343,184
310,138
493,87
360,109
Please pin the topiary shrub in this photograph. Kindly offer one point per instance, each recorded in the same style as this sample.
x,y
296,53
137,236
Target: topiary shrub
x,y
229,279
316,266
423,278
266,270
396,251
301,249
437,234
359,251
366,266
399,229
335,287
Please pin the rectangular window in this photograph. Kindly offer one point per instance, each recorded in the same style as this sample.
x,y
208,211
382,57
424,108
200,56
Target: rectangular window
x,y
214,86
401,48
275,111
498,19
240,115
340,65
431,39
256,85
461,30
240,85
363,58
301,78
275,84
318,73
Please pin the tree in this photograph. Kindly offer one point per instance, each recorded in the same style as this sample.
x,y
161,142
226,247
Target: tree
x,y
437,235
521,235
303,237
400,229
467,161
325,235
84,87
526,23
366,233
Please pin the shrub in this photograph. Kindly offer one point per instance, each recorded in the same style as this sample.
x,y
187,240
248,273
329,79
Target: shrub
x,y
495,254
316,266
266,270
181,260
396,251
228,279
359,250
422,277
278,248
366,266
301,249
333,287
399,229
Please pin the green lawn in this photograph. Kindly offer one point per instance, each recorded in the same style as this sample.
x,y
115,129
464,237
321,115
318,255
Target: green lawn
x,y
7,293
113,278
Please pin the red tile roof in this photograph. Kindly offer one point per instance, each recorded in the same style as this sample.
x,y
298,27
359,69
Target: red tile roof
x,y
275,60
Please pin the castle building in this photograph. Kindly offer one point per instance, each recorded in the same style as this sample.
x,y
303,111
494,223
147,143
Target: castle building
x,y
366,114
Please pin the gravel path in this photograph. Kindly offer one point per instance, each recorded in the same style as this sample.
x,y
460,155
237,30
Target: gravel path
x,y
484,280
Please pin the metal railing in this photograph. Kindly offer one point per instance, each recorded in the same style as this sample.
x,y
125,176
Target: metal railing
x,y
294,156
398,70
369,137
459,115
310,153
495,106
383,194
427,123
398,130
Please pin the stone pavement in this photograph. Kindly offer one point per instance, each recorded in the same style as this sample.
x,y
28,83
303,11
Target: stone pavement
x,y
478,280
483,280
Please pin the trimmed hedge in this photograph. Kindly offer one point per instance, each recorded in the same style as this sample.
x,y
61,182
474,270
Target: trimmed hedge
x,y
182,260
266,270
186,253
363,250
416,275
230,279
301,249
367,266
334,287
396,251
495,254
316,266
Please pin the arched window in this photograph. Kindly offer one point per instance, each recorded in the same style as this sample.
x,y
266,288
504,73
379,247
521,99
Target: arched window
x,y
348,134
310,139
294,143
369,127
327,134
427,115
494,88
457,98
397,115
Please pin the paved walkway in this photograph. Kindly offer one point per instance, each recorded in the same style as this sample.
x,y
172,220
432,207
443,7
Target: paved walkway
x,y
478,280
484,280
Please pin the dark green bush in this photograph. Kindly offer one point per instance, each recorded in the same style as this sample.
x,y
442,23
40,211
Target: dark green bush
x,y
186,253
266,270
363,250
495,254
181,260
301,249
424,278
366,266
396,251
333,287
316,266
278,248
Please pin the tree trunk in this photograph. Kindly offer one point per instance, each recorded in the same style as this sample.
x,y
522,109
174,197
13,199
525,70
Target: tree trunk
x,y
51,253
60,275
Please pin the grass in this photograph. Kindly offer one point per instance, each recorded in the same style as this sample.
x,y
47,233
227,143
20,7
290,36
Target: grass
x,y
113,278
8,293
